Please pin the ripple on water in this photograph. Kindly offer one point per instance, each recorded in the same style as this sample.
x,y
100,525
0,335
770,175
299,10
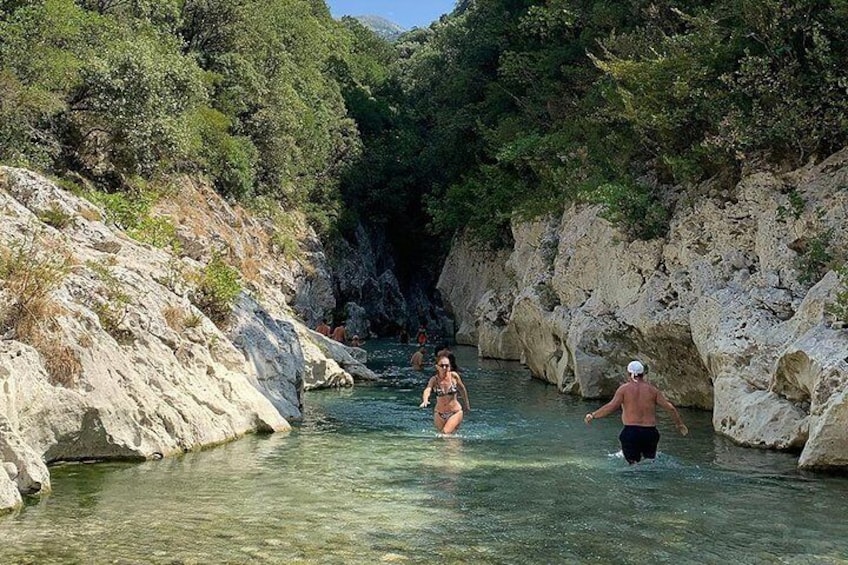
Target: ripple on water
x,y
366,478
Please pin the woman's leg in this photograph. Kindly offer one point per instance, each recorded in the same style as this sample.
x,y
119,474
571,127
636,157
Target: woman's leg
x,y
438,421
453,423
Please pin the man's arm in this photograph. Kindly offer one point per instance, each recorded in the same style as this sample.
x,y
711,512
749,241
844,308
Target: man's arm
x,y
607,408
675,415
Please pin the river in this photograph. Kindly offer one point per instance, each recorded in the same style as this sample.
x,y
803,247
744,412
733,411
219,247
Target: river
x,y
365,479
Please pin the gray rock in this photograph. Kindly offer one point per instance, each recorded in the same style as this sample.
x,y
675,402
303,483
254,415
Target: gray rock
x,y
135,370
716,310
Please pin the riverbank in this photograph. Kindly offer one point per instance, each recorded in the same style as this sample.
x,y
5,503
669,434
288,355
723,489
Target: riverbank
x,y
365,479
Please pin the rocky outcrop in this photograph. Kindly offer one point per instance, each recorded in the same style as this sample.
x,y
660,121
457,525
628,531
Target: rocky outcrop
x,y
349,361
105,356
717,310
478,293
363,276
375,301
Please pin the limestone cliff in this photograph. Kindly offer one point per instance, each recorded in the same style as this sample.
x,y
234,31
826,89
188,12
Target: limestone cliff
x,y
105,354
717,310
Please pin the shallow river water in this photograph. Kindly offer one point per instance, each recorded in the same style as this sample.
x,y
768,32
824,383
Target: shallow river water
x,y
366,480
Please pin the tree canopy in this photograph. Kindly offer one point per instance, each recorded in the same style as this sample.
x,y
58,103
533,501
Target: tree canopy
x,y
502,109
518,107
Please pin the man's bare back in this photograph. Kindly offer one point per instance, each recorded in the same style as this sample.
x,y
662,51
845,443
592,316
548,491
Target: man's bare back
x,y
638,401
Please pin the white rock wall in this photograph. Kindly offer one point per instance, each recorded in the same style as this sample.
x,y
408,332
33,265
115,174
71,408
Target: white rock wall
x,y
157,377
715,310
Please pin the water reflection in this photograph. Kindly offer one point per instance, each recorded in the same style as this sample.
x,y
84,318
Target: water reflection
x,y
732,457
365,478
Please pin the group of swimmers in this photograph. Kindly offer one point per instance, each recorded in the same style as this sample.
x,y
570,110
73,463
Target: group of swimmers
x,y
636,398
339,333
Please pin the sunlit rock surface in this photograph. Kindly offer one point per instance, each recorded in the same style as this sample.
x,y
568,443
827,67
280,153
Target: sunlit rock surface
x,y
717,310
119,363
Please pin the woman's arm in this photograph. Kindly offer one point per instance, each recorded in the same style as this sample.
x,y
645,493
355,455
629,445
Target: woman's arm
x,y
461,386
425,397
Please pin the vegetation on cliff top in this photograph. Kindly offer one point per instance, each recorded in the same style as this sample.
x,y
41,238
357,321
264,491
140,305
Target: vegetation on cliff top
x,y
242,92
521,106
505,107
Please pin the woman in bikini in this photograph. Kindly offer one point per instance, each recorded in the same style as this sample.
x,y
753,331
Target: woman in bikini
x,y
447,385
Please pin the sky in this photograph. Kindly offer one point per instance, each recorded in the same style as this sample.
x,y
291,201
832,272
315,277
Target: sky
x,y
406,13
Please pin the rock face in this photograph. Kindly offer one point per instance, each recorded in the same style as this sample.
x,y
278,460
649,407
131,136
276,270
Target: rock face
x,y
482,321
104,354
364,279
375,301
717,310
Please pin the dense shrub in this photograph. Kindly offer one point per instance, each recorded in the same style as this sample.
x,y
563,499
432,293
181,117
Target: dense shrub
x,y
243,92
215,289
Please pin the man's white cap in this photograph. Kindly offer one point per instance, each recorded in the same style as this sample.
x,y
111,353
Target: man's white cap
x,y
635,368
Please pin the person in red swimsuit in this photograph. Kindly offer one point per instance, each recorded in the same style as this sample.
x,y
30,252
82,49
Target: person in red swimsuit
x,y
422,335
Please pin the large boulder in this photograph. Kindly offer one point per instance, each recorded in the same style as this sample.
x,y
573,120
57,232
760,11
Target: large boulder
x,y
10,497
468,276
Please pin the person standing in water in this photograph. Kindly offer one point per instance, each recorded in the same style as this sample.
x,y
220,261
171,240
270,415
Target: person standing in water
x,y
638,401
417,359
339,333
421,338
448,386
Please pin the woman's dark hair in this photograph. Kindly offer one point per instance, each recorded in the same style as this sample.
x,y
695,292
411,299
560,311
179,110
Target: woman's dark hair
x,y
452,359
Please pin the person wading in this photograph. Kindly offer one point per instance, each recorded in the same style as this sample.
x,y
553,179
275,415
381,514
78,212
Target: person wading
x,y
638,401
417,359
448,387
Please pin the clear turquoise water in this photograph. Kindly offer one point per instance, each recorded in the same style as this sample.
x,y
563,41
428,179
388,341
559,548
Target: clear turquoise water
x,y
365,479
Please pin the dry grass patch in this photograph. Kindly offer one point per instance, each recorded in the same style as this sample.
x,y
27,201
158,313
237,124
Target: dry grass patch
x,y
251,270
30,272
61,361
174,317
90,214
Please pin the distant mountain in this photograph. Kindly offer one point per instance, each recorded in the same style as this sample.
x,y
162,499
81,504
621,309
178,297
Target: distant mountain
x,y
386,29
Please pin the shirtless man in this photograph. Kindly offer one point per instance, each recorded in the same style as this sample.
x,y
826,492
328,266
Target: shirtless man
x,y
638,401
339,334
417,359
323,328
